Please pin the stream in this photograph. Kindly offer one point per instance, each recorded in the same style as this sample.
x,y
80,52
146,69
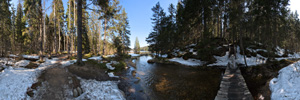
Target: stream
x,y
168,82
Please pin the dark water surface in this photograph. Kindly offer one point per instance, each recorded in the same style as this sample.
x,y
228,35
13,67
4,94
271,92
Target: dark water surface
x,y
170,82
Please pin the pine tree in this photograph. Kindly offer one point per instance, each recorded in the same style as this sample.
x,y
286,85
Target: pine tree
x,y
20,26
137,48
79,28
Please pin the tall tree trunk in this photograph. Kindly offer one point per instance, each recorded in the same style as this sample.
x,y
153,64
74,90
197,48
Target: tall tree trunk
x,y
41,34
75,29
59,38
79,38
242,47
55,40
44,21
41,39
100,40
70,34
104,38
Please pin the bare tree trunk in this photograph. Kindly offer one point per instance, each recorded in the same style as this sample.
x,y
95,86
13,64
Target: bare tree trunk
x,y
41,34
104,38
241,43
70,34
44,21
79,38
55,40
59,38
41,39
74,24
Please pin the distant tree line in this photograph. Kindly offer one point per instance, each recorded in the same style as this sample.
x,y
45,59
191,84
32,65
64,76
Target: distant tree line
x,y
266,21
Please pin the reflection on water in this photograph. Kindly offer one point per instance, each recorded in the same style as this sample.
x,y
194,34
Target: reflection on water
x,y
161,81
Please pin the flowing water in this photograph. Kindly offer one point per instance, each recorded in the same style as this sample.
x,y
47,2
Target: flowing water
x,y
169,82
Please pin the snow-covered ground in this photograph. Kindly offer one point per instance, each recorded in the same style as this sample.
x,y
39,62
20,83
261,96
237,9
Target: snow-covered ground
x,y
7,61
108,65
12,55
100,90
286,85
22,63
251,61
281,51
30,57
189,62
111,74
110,56
163,56
96,58
15,81
134,55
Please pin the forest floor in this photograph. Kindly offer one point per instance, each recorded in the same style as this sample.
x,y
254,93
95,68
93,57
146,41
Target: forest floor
x,y
56,78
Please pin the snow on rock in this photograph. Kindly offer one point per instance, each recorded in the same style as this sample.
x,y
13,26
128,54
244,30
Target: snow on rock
x,y
134,55
96,58
84,60
30,57
221,61
67,63
280,51
286,85
256,50
12,55
251,61
108,65
100,90
22,63
111,74
7,61
189,62
163,56
110,56
15,81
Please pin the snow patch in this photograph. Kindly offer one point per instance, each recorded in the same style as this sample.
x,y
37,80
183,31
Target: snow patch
x,y
134,55
22,63
110,56
108,65
30,57
96,58
251,61
100,90
286,85
111,74
12,55
189,62
15,81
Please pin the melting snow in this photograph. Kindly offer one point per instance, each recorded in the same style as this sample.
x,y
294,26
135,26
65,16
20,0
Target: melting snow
x,y
108,65
22,63
286,85
96,58
12,55
15,81
30,57
189,62
251,61
111,74
100,90
134,55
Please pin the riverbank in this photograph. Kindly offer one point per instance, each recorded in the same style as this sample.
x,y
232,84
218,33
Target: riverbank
x,y
258,77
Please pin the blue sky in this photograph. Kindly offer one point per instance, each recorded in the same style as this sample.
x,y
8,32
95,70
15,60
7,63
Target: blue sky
x,y
139,14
